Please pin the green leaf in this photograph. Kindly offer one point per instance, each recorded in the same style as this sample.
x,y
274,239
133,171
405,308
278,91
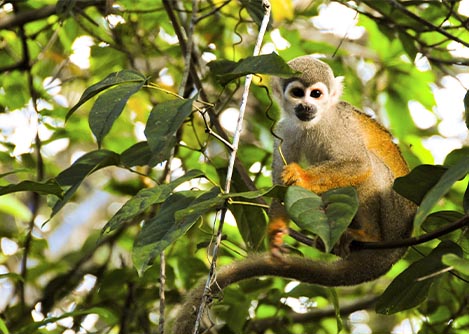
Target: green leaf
x,y
251,221
193,212
418,182
137,155
271,64
104,313
456,155
457,262
256,10
411,287
438,219
49,187
86,165
163,229
453,174
108,107
112,79
163,123
274,191
408,43
145,199
80,169
327,216
3,327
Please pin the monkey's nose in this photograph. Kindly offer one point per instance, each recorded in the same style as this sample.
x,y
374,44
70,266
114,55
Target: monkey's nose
x,y
305,112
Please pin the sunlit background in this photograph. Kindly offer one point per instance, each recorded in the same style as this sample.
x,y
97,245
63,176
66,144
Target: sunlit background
x,y
19,127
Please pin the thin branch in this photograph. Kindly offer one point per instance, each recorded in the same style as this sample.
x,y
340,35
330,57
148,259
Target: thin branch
x,y
203,95
22,18
231,167
416,240
424,22
300,237
262,325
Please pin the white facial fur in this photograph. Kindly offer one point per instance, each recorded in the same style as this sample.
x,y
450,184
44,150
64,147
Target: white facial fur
x,y
307,103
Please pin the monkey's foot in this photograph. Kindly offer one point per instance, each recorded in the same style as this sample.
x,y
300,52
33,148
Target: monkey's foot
x,y
276,231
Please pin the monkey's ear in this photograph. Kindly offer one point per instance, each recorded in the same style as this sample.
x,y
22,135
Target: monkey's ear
x,y
336,92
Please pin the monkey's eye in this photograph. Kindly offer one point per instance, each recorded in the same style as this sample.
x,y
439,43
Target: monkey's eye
x,y
316,93
297,92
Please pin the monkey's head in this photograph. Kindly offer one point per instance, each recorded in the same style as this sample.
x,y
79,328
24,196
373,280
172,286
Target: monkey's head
x,y
309,94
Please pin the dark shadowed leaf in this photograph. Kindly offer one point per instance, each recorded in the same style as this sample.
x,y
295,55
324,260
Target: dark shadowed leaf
x,y
49,187
452,175
327,216
112,79
164,121
271,64
145,199
108,106
169,223
418,182
411,287
137,155
80,169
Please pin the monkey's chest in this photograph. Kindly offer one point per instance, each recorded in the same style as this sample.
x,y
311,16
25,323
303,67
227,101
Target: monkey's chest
x,y
308,153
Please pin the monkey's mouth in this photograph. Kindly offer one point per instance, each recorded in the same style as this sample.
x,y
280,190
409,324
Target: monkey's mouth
x,y
304,112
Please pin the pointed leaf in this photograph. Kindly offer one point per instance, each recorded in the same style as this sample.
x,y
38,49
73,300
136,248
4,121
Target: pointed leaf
x,y
327,216
84,166
108,107
453,174
162,230
271,64
457,262
245,215
111,80
163,123
3,327
411,287
145,199
49,187
137,155
274,191
418,182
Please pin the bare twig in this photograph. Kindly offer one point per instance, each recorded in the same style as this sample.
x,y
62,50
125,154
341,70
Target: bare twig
x,y
22,18
231,166
261,325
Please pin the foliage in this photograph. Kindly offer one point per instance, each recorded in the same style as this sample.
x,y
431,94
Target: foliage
x,y
114,163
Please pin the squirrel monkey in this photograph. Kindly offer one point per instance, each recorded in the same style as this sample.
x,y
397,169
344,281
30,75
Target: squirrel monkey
x,y
338,146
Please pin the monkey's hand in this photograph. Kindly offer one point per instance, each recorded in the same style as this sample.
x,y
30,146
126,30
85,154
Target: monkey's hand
x,y
293,174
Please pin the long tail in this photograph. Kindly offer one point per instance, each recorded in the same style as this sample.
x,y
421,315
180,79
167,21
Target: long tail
x,y
359,267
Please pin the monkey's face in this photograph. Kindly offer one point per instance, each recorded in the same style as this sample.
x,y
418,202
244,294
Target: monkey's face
x,y
306,102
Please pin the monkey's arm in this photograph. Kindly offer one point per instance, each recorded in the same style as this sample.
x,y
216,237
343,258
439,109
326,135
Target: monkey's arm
x,y
328,175
356,269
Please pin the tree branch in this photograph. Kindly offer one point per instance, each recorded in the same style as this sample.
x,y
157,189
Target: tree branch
x,y
22,18
262,325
